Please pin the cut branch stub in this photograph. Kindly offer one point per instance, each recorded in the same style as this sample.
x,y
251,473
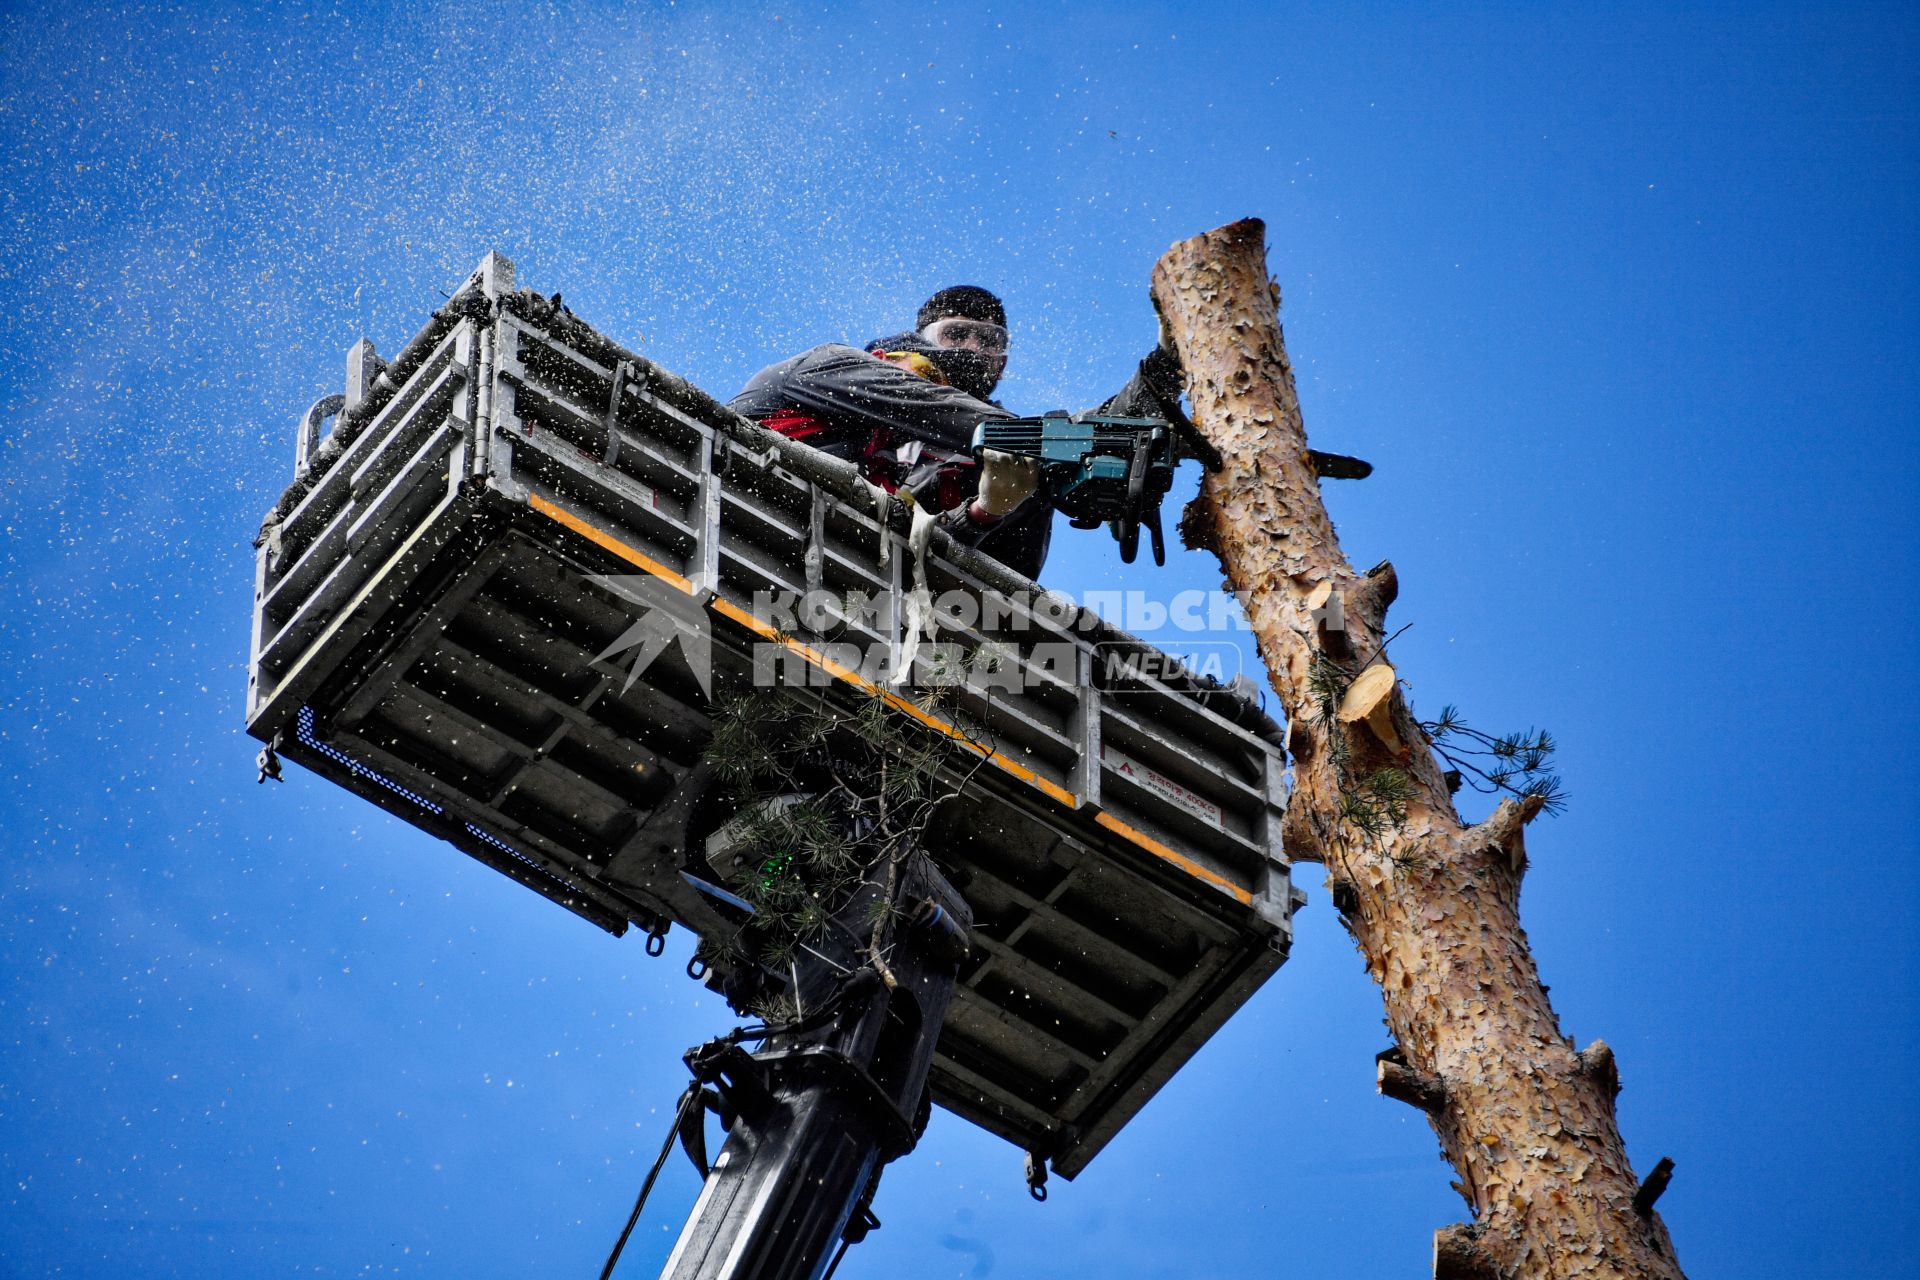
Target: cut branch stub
x,y
1197,530
1458,1255
1504,830
1597,1064
1329,613
1402,1083
1384,584
1297,834
1370,597
1654,1187
1369,701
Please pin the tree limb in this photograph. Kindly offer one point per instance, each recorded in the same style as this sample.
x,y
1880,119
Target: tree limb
x,y
1402,1083
1597,1064
1503,827
1654,1187
1458,1255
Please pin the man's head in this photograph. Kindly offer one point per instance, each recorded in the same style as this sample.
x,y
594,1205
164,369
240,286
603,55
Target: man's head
x,y
969,325
968,300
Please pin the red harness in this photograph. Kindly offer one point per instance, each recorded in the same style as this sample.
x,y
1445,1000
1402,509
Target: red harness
x,y
795,424
874,458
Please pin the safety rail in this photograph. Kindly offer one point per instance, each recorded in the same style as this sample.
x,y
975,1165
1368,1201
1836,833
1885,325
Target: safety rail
x,y
440,601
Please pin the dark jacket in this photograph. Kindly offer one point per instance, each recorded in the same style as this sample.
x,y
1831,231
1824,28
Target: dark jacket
x,y
865,400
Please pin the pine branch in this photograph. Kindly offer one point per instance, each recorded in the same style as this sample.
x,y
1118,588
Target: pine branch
x,y
1517,764
873,781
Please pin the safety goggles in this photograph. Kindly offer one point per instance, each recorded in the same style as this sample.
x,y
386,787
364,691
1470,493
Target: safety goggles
x,y
973,335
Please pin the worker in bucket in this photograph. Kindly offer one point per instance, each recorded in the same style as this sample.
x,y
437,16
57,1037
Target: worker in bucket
x,y
904,410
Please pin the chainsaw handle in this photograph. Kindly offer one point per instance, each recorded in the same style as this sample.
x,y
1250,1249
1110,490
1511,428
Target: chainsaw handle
x,y
1127,527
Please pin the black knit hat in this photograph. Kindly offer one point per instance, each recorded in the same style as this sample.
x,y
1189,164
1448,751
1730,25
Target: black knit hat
x,y
968,300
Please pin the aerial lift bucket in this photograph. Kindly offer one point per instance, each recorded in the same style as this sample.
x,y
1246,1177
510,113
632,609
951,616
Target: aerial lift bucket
x,y
447,600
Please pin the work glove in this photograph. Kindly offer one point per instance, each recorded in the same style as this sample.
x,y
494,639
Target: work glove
x,y
1005,482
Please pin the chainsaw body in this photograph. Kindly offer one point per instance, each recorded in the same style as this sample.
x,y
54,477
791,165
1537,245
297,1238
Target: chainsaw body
x,y
1095,468
1098,468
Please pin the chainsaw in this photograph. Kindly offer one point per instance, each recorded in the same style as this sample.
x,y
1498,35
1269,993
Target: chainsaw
x,y
1098,468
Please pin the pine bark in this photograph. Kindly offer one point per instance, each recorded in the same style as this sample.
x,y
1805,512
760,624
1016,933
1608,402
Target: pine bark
x,y
1432,902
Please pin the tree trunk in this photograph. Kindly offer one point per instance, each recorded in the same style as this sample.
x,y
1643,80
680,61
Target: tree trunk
x,y
1432,902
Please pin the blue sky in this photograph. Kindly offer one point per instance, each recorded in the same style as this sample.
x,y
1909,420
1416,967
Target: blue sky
x,y
1620,300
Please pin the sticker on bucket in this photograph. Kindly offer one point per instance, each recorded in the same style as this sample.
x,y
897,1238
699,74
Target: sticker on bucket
x,y
1161,785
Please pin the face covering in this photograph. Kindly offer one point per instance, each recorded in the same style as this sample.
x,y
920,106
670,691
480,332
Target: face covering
x,y
974,372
